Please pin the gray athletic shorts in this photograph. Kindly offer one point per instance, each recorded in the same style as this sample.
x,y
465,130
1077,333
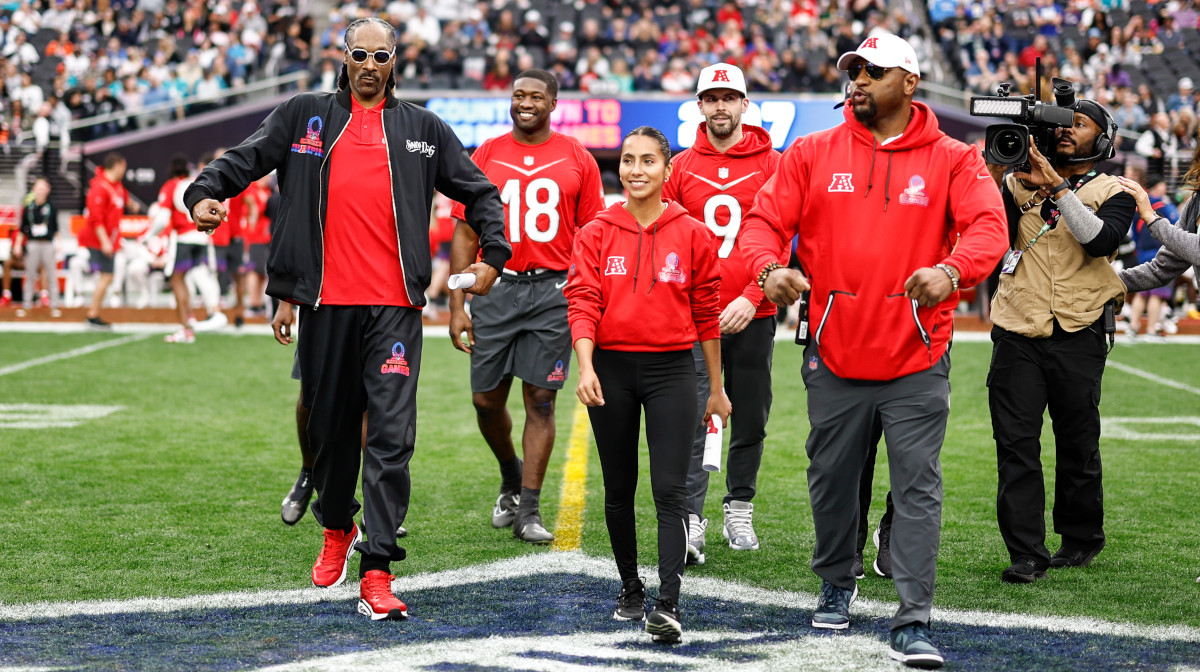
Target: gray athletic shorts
x,y
521,330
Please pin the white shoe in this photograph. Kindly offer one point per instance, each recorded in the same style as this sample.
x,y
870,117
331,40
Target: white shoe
x,y
739,526
215,321
696,529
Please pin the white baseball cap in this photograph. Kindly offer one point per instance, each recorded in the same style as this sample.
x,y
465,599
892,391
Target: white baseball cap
x,y
721,76
885,50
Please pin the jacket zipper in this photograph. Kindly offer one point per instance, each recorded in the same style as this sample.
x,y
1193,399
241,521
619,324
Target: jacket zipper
x,y
321,209
395,218
828,309
920,327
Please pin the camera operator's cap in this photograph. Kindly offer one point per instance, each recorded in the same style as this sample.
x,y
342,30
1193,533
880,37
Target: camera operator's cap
x,y
721,76
885,50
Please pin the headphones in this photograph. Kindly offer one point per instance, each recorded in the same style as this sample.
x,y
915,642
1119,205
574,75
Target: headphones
x,y
1105,147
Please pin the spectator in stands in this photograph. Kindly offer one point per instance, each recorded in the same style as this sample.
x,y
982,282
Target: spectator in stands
x,y
1168,34
647,74
1130,115
677,78
1149,102
1156,143
981,77
20,51
413,67
500,77
423,26
30,94
533,34
1182,98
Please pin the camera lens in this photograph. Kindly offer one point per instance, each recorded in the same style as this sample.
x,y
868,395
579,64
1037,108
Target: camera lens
x,y
1008,144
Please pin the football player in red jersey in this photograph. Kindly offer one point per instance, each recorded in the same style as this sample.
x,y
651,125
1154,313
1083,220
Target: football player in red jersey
x,y
550,186
716,180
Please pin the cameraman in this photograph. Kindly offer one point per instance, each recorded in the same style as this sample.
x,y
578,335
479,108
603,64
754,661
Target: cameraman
x,y
1056,290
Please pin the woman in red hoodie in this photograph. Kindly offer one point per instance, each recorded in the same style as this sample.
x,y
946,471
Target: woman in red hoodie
x,y
645,282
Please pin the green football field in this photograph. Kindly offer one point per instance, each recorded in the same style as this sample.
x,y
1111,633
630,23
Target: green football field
x,y
168,479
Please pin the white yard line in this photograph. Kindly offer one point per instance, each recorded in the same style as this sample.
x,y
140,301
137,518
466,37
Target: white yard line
x,y
77,352
697,590
1166,382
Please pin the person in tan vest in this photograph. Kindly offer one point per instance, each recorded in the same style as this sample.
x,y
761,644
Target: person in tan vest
x,y
1066,219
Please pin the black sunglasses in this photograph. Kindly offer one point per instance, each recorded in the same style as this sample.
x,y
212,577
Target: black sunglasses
x,y
360,55
875,72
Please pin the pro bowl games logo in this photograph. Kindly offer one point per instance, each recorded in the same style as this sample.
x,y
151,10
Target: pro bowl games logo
x,y
915,193
671,272
560,373
397,364
311,142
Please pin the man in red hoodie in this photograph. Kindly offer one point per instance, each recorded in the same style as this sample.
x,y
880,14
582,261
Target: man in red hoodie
x,y
716,180
892,216
100,235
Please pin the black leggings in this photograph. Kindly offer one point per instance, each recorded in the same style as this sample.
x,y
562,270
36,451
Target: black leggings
x,y
664,383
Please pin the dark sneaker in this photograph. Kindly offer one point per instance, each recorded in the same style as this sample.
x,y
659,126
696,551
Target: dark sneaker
x,y
330,568
911,646
97,323
696,529
296,501
858,566
529,528
631,603
833,607
883,542
1063,558
376,600
505,511
1024,570
663,622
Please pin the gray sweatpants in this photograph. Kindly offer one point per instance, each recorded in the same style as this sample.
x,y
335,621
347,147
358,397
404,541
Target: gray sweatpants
x,y
39,254
913,410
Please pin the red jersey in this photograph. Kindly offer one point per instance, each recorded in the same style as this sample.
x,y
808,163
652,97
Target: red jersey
x,y
257,232
549,191
868,216
362,244
238,215
644,290
170,199
718,188
105,205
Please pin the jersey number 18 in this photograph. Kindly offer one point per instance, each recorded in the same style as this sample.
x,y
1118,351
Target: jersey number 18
x,y
535,207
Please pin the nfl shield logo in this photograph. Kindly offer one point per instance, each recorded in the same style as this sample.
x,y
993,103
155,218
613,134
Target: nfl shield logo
x,y
723,173
529,160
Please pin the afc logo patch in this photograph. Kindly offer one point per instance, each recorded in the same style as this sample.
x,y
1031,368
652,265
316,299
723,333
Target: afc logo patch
x,y
615,266
841,182
870,43
720,76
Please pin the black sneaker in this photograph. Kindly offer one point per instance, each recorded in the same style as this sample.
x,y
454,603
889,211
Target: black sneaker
x,y
911,646
883,542
858,565
833,607
663,623
97,323
631,603
296,501
1063,558
1024,570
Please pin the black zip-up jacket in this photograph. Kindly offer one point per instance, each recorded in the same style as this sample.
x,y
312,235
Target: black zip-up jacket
x,y
295,140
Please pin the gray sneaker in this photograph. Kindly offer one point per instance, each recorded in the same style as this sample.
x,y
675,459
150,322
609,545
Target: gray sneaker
x,y
695,549
295,503
833,607
911,646
528,528
505,510
739,526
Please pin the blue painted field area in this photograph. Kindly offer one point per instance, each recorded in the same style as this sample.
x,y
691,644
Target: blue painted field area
x,y
562,607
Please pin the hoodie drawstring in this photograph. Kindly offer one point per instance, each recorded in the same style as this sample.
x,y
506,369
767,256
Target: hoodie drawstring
x,y
638,265
653,241
871,172
887,181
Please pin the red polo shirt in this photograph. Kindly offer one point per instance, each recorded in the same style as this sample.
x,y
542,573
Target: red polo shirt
x,y
362,249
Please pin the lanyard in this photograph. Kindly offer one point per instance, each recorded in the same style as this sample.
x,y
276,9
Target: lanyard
x,y
1055,214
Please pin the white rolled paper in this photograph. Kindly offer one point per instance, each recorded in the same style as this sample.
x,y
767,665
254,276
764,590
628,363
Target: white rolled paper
x,y
713,442
461,281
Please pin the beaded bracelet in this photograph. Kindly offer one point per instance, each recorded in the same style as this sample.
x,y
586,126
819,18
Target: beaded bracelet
x,y
953,280
762,275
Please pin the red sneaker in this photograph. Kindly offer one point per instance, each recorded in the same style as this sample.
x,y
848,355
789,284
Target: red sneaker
x,y
377,600
5,300
330,568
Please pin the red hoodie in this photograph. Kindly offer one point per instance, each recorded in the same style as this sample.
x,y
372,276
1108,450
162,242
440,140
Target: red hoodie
x,y
717,188
868,216
644,290
105,205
